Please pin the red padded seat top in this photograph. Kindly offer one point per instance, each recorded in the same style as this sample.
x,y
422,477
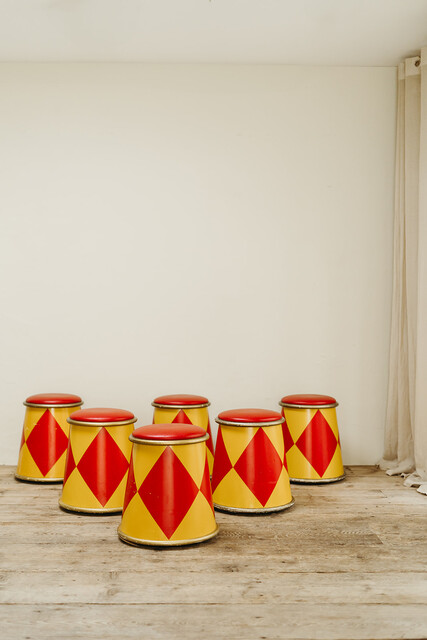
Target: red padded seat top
x,y
250,416
171,432
180,400
101,415
54,399
308,400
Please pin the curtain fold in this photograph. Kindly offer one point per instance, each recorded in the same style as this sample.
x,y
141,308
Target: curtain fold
x,y
405,449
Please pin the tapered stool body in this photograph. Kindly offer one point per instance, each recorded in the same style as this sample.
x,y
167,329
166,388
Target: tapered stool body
x,y
185,409
312,442
249,474
168,497
97,460
44,439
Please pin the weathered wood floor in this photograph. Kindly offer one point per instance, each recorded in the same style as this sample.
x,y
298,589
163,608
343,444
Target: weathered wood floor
x,y
348,561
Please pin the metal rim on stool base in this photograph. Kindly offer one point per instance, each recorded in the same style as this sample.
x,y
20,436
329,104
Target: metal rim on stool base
x,y
136,542
67,507
320,481
237,510
39,480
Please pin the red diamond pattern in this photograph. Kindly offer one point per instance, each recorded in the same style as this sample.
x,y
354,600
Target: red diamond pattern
x,y
205,487
287,441
209,443
181,418
287,438
318,443
261,455
46,442
222,464
131,488
70,464
22,440
103,466
168,491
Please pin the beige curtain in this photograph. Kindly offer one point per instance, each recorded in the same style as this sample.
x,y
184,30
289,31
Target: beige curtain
x,y
405,450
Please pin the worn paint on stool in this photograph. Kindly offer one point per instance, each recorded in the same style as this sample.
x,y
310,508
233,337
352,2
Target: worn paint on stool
x,y
311,437
249,474
44,439
168,499
97,460
185,409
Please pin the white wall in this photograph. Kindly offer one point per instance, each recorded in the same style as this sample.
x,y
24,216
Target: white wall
x,y
223,230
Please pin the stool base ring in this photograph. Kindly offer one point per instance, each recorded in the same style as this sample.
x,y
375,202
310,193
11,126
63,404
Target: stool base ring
x,y
136,542
237,510
319,481
83,510
39,480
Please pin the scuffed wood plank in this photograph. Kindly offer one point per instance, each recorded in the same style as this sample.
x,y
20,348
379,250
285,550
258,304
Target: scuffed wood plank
x,y
115,556
324,569
232,622
241,587
260,539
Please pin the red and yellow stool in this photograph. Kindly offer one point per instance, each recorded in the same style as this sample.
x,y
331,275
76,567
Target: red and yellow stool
x,y
168,499
312,442
185,409
97,460
249,474
45,436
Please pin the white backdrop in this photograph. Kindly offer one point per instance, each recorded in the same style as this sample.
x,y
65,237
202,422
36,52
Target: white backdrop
x,y
222,230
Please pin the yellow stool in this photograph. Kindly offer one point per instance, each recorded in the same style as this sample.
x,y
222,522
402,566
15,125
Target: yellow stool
x,y
312,442
97,460
185,409
249,474
45,436
168,497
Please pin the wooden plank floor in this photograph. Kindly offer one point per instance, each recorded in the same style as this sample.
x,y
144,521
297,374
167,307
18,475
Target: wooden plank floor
x,y
348,561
